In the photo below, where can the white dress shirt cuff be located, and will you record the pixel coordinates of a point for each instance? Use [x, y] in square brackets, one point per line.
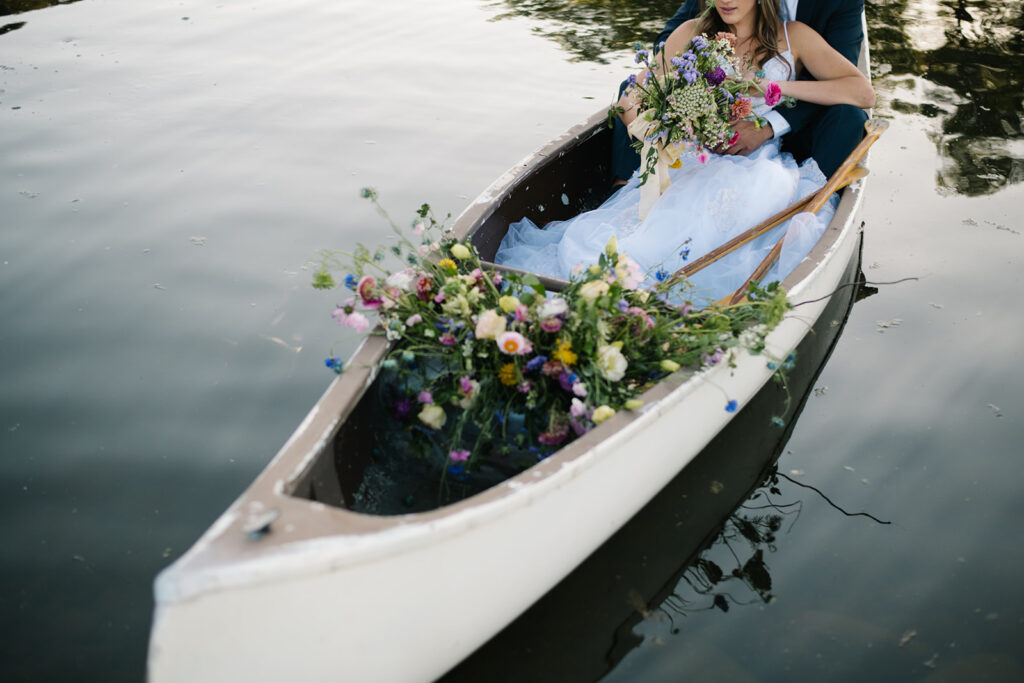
[779, 125]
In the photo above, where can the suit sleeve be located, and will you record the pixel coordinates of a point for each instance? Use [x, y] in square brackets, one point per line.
[685, 13]
[842, 30]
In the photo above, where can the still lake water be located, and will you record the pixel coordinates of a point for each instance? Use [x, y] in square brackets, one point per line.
[168, 168]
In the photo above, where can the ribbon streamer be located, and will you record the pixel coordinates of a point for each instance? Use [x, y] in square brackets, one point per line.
[668, 157]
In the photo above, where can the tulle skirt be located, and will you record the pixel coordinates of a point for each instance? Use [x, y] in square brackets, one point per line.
[705, 206]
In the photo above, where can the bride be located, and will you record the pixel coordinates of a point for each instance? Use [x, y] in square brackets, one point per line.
[708, 204]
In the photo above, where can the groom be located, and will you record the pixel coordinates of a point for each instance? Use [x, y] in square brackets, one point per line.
[827, 133]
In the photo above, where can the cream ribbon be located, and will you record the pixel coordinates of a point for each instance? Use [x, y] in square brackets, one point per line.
[668, 157]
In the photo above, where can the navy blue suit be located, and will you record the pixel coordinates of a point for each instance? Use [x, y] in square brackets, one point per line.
[828, 134]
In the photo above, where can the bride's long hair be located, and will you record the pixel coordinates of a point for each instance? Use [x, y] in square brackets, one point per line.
[766, 28]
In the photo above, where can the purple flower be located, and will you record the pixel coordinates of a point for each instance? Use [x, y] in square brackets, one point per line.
[425, 397]
[402, 408]
[551, 324]
[566, 380]
[715, 76]
[690, 75]
[459, 455]
[698, 42]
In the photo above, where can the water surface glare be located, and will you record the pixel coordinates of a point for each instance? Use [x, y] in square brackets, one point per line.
[168, 170]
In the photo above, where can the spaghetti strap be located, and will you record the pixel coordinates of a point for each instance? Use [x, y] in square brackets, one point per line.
[785, 30]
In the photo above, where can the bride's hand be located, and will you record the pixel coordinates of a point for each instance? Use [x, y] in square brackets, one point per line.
[749, 137]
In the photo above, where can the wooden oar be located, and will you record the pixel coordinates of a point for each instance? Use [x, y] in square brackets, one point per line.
[761, 228]
[874, 128]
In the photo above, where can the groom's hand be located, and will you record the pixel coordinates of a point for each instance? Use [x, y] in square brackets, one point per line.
[750, 137]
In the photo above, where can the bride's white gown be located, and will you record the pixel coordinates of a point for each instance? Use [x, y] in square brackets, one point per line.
[705, 206]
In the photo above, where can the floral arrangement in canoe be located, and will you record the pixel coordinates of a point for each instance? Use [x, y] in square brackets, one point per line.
[690, 101]
[490, 368]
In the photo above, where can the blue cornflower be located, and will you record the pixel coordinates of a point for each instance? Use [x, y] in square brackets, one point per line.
[684, 253]
[731, 406]
[661, 275]
[772, 365]
[335, 364]
[499, 416]
[534, 363]
[351, 281]
[778, 421]
[455, 469]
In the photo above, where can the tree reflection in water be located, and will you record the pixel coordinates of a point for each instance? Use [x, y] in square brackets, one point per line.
[955, 63]
[735, 560]
[959, 62]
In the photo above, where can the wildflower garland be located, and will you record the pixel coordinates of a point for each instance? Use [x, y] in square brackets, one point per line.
[490, 369]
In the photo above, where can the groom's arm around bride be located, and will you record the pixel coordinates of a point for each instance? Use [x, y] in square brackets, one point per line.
[826, 133]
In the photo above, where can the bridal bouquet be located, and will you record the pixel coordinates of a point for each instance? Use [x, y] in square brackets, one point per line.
[487, 369]
[689, 101]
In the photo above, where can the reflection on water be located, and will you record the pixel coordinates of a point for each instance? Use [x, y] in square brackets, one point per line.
[591, 29]
[18, 6]
[958, 63]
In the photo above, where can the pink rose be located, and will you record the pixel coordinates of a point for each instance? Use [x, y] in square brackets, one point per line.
[772, 94]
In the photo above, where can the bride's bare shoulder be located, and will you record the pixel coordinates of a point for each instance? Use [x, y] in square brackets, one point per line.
[679, 39]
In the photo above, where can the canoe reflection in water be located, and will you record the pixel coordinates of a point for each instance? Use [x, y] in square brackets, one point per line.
[703, 543]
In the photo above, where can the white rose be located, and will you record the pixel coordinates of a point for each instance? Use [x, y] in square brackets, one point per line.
[490, 324]
[611, 363]
[401, 280]
[553, 307]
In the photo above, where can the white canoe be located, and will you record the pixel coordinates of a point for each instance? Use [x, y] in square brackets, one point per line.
[330, 594]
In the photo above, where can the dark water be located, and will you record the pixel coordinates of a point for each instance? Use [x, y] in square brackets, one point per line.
[168, 168]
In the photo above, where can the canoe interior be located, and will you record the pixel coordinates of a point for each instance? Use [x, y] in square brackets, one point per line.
[564, 181]
[569, 175]
[364, 468]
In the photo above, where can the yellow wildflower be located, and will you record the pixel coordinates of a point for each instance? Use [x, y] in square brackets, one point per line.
[602, 413]
[507, 374]
[447, 265]
[508, 303]
[564, 353]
